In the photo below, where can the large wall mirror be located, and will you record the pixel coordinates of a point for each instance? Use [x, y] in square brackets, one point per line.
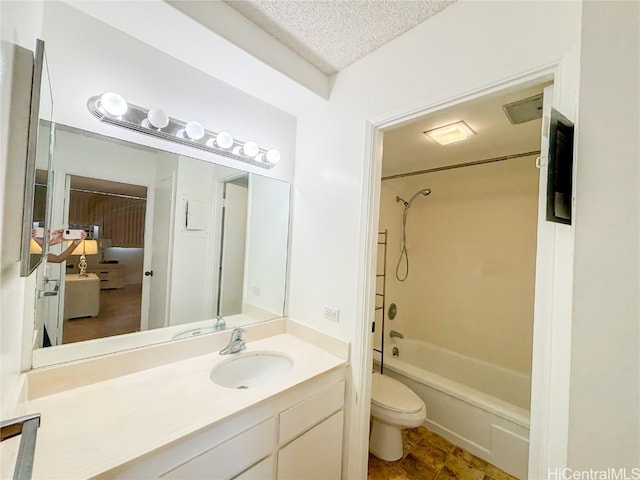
[174, 247]
[172, 236]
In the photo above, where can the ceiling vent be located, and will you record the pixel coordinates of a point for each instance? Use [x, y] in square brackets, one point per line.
[524, 110]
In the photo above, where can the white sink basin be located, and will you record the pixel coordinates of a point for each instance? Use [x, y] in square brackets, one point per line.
[248, 370]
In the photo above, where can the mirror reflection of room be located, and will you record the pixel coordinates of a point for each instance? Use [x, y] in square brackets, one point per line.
[171, 243]
[106, 299]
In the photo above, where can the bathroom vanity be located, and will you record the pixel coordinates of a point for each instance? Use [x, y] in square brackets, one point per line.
[291, 436]
[130, 416]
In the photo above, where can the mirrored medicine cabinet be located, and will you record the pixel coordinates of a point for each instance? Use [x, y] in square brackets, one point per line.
[40, 138]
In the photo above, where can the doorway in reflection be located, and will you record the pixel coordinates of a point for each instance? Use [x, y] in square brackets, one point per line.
[108, 300]
[232, 245]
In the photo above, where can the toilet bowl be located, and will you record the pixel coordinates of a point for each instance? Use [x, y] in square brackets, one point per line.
[394, 406]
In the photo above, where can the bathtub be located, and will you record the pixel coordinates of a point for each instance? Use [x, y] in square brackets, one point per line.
[479, 406]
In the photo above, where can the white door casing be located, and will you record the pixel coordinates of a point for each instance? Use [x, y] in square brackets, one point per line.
[162, 239]
[553, 290]
[233, 249]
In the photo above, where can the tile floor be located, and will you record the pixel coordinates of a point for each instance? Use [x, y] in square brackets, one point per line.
[428, 456]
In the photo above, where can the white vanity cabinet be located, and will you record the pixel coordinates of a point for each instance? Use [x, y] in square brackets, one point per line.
[310, 437]
[314, 455]
[293, 435]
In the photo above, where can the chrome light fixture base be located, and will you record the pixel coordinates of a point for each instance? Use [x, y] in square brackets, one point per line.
[136, 118]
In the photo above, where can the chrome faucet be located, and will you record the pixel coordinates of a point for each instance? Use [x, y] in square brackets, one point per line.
[393, 333]
[236, 344]
[220, 323]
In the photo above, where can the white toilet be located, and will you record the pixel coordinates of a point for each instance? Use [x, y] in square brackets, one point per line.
[393, 406]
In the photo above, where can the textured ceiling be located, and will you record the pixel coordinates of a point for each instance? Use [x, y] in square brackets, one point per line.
[333, 34]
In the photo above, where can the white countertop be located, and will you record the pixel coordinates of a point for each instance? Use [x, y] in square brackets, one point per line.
[88, 430]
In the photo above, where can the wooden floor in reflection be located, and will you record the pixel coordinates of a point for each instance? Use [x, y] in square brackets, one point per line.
[119, 313]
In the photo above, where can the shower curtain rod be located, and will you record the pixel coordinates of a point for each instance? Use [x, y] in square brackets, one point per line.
[467, 164]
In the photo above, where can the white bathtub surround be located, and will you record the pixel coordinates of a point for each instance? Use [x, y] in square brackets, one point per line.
[478, 406]
[99, 421]
[473, 238]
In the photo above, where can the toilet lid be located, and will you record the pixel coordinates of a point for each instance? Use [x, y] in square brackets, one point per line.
[389, 393]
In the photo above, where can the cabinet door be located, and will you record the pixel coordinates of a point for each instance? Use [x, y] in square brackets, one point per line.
[316, 454]
[260, 471]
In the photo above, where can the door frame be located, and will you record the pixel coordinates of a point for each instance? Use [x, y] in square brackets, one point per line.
[218, 212]
[148, 228]
[549, 419]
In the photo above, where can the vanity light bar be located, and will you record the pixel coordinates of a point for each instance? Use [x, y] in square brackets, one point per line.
[111, 108]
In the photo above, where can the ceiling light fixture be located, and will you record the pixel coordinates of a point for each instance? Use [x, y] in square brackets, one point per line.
[454, 132]
[112, 108]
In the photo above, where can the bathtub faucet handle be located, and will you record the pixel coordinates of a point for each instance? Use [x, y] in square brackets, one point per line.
[393, 333]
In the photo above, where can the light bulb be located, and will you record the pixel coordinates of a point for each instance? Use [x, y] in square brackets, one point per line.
[224, 140]
[194, 130]
[158, 117]
[250, 149]
[113, 104]
[273, 156]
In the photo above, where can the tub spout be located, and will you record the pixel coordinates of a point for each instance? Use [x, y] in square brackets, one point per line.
[393, 333]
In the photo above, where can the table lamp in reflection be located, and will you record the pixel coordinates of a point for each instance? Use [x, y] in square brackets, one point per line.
[86, 247]
[35, 248]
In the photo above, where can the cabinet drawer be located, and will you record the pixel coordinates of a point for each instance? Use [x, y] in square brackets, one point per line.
[231, 457]
[307, 413]
[111, 276]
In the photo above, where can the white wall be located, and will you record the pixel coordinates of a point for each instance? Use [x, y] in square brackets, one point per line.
[267, 247]
[88, 57]
[176, 34]
[329, 174]
[468, 46]
[472, 257]
[604, 429]
[20, 25]
[192, 291]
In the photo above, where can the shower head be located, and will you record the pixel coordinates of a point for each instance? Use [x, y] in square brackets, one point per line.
[424, 191]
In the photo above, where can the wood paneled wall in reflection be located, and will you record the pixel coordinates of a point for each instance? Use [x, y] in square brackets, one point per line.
[120, 219]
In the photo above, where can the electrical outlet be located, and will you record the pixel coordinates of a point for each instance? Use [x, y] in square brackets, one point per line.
[332, 314]
[256, 291]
